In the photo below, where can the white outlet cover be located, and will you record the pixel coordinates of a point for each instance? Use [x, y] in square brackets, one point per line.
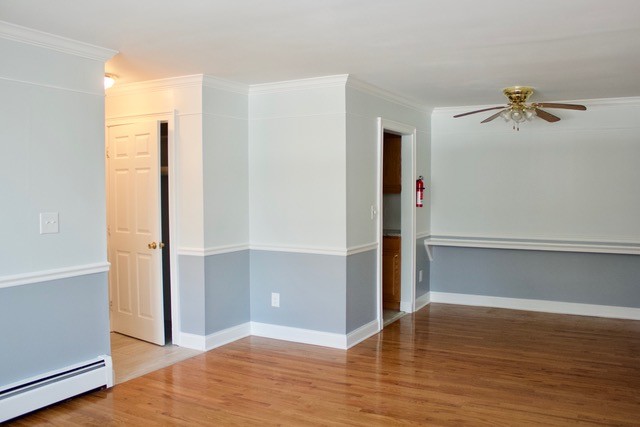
[275, 299]
[49, 223]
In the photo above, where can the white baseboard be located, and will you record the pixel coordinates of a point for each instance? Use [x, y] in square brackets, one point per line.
[538, 305]
[305, 336]
[423, 300]
[407, 307]
[216, 339]
[362, 333]
[286, 333]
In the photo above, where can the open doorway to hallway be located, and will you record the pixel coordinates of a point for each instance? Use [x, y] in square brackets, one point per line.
[396, 224]
[391, 227]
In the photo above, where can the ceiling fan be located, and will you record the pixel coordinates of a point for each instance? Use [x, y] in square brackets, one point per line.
[518, 111]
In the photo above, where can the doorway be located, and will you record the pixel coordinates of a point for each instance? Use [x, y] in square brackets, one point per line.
[396, 224]
[139, 217]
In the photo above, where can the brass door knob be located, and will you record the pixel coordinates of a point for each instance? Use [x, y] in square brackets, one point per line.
[161, 245]
[152, 245]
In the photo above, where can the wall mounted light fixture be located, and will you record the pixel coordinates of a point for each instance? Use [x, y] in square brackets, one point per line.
[109, 80]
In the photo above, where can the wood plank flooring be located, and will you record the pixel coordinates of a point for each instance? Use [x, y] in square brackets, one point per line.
[445, 365]
[133, 358]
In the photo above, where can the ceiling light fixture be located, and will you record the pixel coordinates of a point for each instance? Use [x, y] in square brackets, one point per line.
[519, 111]
[109, 80]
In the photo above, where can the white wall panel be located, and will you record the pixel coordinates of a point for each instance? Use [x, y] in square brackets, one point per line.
[226, 181]
[572, 180]
[297, 181]
[52, 157]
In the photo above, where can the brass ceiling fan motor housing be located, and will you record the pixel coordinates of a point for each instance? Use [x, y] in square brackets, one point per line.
[518, 94]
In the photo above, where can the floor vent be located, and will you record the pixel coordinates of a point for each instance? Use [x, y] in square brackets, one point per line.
[37, 392]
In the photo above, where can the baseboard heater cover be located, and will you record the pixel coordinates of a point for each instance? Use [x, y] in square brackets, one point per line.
[37, 392]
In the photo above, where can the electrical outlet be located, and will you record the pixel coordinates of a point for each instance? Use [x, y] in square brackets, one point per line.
[420, 276]
[275, 299]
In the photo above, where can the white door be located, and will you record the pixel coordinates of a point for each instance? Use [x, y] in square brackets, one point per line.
[135, 249]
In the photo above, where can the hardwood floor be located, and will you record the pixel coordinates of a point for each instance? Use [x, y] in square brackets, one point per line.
[445, 365]
[133, 358]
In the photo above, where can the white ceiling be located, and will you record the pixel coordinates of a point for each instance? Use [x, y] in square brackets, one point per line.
[440, 53]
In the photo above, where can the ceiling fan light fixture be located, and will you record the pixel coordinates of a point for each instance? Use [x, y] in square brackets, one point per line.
[518, 111]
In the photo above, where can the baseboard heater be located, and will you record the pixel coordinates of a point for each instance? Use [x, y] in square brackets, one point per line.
[37, 392]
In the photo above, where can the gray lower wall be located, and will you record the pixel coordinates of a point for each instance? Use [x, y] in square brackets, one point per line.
[191, 276]
[312, 290]
[226, 290]
[422, 263]
[361, 289]
[604, 279]
[214, 292]
[51, 325]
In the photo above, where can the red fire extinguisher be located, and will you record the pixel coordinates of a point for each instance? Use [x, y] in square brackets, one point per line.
[419, 191]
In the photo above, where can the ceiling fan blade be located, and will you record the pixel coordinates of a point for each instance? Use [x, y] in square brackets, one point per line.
[495, 116]
[477, 111]
[565, 106]
[546, 116]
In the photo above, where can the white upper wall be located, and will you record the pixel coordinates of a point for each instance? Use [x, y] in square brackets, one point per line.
[226, 164]
[576, 179]
[297, 165]
[51, 128]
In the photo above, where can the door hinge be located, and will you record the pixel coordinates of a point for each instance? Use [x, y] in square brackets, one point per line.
[110, 305]
[107, 153]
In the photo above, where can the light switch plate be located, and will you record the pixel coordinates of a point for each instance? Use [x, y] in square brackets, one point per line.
[49, 223]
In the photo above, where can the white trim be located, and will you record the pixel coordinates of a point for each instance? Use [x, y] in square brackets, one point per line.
[137, 118]
[216, 339]
[225, 85]
[192, 341]
[48, 86]
[227, 336]
[299, 84]
[537, 305]
[362, 248]
[423, 300]
[423, 235]
[407, 303]
[304, 336]
[214, 250]
[317, 251]
[378, 92]
[285, 333]
[631, 248]
[55, 274]
[50, 41]
[148, 86]
[362, 333]
[406, 306]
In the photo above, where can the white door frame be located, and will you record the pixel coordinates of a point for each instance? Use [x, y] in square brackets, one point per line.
[170, 118]
[408, 209]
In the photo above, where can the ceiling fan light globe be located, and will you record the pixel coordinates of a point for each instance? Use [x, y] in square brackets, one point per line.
[529, 113]
[518, 116]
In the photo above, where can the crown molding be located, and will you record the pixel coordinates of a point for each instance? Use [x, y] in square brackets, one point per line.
[53, 42]
[225, 85]
[300, 84]
[157, 85]
[362, 86]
